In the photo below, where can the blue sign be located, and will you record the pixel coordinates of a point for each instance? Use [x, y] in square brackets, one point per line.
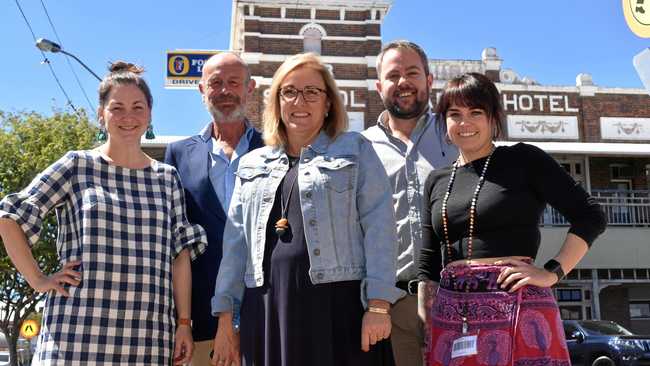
[184, 68]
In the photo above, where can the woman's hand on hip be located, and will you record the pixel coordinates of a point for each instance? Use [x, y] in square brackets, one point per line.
[519, 273]
[55, 281]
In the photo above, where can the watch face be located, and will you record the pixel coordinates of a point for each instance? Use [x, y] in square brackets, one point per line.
[551, 265]
[554, 266]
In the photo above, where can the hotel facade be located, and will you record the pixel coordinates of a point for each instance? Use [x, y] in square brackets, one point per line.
[601, 136]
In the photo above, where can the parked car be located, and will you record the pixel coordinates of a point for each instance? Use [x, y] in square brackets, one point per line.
[23, 350]
[605, 343]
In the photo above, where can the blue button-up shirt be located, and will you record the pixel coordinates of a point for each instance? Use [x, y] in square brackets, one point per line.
[408, 165]
[222, 171]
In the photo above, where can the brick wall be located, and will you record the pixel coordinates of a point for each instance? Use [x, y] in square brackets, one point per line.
[351, 48]
[268, 12]
[599, 170]
[280, 28]
[350, 71]
[255, 107]
[374, 108]
[611, 105]
[357, 15]
[328, 14]
[297, 13]
[251, 25]
[346, 30]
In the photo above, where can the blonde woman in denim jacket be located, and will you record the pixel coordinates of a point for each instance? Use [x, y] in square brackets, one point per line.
[309, 247]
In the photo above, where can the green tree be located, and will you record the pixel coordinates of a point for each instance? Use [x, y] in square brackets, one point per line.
[29, 143]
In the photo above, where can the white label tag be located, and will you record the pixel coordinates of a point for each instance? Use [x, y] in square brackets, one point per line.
[464, 346]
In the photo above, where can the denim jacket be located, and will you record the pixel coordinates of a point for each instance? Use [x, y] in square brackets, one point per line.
[347, 211]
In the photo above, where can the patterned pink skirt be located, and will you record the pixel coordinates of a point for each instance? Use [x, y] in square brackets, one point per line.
[488, 326]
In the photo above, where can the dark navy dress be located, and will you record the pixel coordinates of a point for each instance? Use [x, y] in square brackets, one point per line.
[291, 322]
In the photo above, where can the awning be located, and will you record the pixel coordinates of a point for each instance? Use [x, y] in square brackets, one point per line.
[588, 148]
[577, 148]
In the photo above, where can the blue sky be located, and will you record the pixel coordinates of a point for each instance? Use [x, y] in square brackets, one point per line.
[551, 41]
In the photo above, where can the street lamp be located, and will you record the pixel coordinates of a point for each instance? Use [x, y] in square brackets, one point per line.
[46, 45]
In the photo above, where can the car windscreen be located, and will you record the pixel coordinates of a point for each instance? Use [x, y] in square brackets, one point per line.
[604, 328]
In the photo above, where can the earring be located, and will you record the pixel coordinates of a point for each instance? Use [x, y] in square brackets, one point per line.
[150, 135]
[327, 114]
[102, 135]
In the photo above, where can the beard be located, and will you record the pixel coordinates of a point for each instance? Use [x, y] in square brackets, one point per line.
[219, 116]
[415, 110]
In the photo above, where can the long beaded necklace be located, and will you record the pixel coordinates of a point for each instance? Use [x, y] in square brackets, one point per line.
[282, 224]
[472, 217]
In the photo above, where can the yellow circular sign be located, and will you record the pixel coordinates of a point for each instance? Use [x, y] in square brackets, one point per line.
[637, 16]
[178, 65]
[29, 329]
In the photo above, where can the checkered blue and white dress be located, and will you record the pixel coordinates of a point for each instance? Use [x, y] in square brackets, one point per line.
[126, 226]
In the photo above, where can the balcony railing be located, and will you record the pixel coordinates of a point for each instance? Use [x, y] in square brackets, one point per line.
[622, 208]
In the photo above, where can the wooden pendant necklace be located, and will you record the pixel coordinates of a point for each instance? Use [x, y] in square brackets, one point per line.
[472, 218]
[282, 224]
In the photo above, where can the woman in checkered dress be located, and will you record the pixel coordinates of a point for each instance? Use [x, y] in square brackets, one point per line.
[124, 243]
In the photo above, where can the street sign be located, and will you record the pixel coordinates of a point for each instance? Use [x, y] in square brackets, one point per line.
[29, 329]
[637, 16]
[184, 68]
[642, 65]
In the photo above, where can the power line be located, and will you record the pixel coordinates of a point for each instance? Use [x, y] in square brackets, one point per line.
[56, 34]
[46, 61]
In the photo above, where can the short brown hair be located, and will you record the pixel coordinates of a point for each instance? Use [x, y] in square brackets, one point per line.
[403, 45]
[473, 90]
[337, 119]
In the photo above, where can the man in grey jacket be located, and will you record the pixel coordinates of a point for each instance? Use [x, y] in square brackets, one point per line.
[410, 145]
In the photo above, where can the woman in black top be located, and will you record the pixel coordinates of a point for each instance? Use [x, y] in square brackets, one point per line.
[481, 224]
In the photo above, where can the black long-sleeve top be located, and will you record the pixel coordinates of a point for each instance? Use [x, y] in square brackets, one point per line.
[519, 182]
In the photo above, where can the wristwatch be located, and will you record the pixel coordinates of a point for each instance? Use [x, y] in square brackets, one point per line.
[554, 266]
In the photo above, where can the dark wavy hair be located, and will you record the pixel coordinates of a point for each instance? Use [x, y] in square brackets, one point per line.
[473, 90]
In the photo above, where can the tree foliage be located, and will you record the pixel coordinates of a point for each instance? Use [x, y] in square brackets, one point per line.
[29, 143]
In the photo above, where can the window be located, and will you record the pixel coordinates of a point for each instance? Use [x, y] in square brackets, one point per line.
[620, 171]
[571, 312]
[312, 41]
[569, 295]
[639, 309]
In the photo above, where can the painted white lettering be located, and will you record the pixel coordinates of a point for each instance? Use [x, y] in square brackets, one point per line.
[512, 102]
[525, 102]
[554, 101]
[566, 105]
[540, 100]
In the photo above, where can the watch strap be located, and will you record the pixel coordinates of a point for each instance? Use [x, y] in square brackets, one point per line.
[554, 266]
